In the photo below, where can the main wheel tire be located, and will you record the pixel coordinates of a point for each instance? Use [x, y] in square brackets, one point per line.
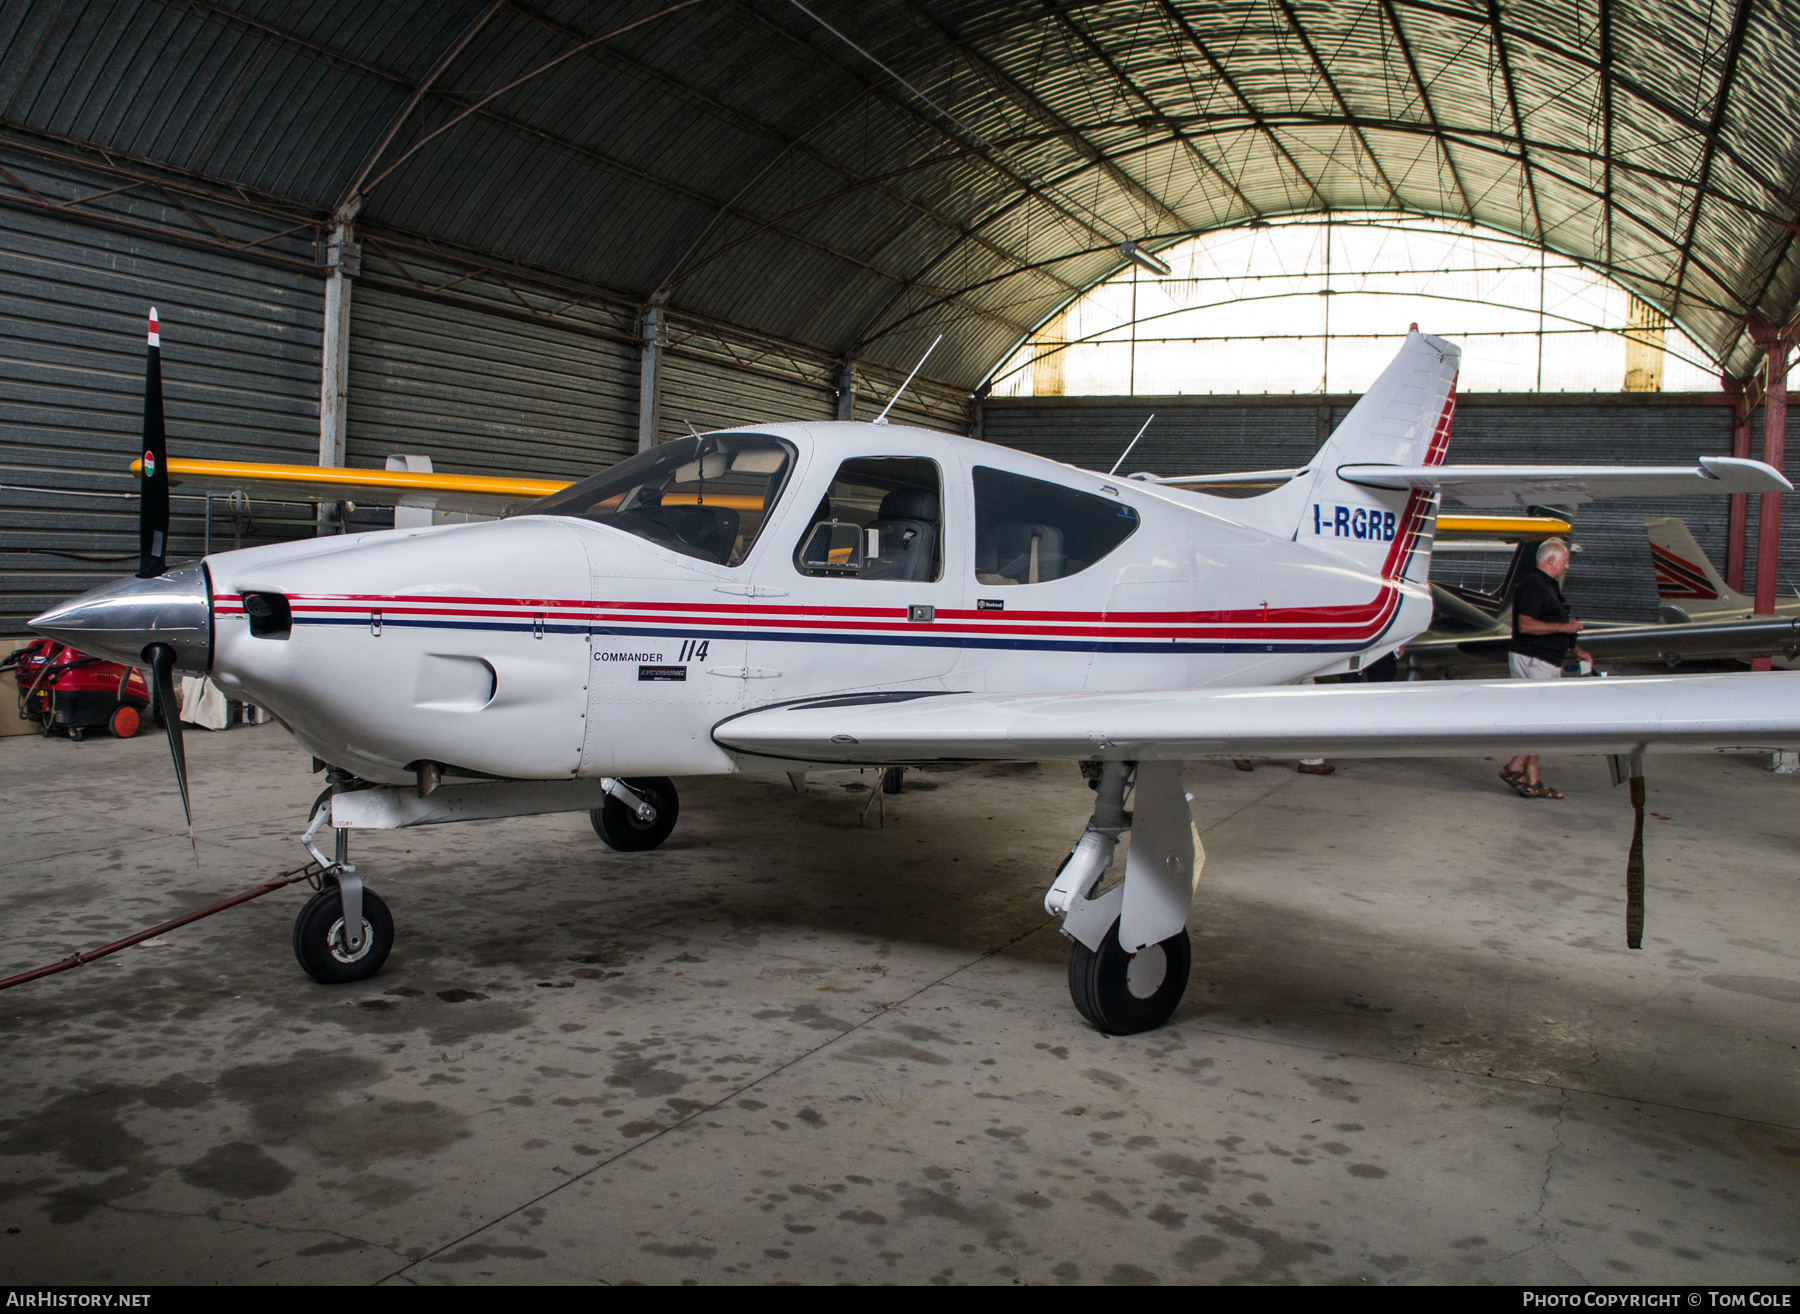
[893, 780]
[319, 938]
[1123, 994]
[618, 825]
[125, 722]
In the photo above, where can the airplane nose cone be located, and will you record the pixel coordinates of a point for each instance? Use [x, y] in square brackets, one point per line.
[119, 620]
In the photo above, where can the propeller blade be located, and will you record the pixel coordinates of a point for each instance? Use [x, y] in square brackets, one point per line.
[162, 685]
[1634, 871]
[153, 492]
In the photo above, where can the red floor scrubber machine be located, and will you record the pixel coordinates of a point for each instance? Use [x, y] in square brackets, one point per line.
[65, 690]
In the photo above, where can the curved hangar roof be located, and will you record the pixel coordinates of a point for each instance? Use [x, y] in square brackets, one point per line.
[860, 176]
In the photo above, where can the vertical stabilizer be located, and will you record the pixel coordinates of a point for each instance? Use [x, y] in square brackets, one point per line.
[1685, 578]
[1403, 419]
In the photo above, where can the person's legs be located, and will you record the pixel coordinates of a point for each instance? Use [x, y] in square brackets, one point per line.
[1523, 769]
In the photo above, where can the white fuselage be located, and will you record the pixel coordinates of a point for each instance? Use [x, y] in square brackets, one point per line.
[545, 647]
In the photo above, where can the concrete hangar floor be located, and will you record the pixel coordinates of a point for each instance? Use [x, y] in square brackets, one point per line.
[782, 1047]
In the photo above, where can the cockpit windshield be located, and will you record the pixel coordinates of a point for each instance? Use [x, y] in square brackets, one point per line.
[705, 497]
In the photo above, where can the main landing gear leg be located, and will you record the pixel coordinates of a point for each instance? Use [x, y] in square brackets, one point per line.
[344, 933]
[1129, 962]
[637, 814]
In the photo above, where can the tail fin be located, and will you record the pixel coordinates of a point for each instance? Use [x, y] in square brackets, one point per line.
[1403, 419]
[1685, 577]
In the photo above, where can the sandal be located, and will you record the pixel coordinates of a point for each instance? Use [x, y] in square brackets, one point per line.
[1539, 790]
[1513, 778]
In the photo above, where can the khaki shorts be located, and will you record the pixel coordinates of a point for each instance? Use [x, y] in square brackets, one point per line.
[1531, 668]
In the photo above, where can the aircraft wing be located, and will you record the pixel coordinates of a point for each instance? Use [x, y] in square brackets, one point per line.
[314, 483]
[1760, 636]
[1449, 718]
[1526, 485]
[1506, 530]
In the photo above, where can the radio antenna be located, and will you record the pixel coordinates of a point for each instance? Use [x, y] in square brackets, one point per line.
[882, 418]
[1130, 445]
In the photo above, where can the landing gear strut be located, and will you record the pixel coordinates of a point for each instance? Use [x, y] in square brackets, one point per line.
[344, 933]
[1129, 964]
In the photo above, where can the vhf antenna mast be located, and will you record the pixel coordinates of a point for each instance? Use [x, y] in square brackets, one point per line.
[882, 418]
[1130, 445]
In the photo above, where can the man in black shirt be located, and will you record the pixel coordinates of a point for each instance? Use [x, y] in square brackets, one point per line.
[1543, 635]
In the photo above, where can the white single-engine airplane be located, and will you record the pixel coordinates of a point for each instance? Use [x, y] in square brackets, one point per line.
[790, 596]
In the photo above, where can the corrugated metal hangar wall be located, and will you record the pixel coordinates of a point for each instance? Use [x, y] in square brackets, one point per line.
[1611, 578]
[440, 365]
[242, 383]
[454, 369]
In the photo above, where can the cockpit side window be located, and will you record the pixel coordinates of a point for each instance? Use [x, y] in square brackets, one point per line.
[1031, 531]
[882, 518]
[705, 497]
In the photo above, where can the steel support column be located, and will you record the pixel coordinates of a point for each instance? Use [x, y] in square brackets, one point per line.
[846, 399]
[1738, 514]
[344, 260]
[650, 379]
[1774, 445]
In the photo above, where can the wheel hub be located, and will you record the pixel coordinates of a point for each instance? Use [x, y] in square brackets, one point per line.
[1144, 977]
[340, 951]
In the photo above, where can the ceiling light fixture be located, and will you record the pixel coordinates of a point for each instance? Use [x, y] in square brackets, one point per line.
[1144, 260]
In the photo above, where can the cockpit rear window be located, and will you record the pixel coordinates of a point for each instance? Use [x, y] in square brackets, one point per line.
[1029, 531]
[705, 497]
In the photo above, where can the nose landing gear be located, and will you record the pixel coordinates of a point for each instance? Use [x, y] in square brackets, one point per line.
[323, 947]
[1129, 964]
[344, 933]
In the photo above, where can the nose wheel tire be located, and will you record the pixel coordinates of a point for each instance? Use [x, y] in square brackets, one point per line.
[319, 941]
[1123, 994]
[618, 825]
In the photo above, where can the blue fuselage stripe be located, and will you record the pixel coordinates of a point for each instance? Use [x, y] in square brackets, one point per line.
[1019, 643]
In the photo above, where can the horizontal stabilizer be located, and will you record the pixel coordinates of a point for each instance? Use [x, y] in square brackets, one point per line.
[1560, 485]
[1237, 479]
[1451, 718]
[314, 483]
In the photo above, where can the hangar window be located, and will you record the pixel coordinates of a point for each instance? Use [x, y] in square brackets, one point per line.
[1303, 305]
[705, 497]
[882, 518]
[1029, 531]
